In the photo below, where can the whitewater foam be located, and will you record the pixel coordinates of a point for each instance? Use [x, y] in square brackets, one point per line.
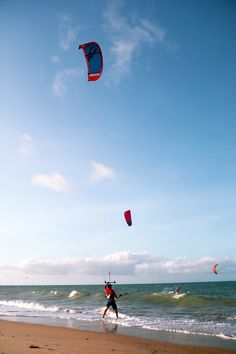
[28, 305]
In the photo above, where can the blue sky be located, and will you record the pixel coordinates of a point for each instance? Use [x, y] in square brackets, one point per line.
[155, 134]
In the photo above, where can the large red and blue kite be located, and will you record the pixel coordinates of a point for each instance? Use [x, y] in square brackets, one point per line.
[93, 55]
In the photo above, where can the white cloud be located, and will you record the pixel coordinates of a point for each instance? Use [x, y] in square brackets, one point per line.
[101, 172]
[54, 181]
[61, 79]
[129, 37]
[26, 145]
[126, 265]
[67, 31]
[178, 265]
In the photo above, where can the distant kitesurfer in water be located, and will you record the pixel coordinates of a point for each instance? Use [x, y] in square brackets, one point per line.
[111, 295]
[177, 289]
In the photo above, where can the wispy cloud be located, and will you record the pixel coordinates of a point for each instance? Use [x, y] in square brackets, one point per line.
[54, 181]
[26, 145]
[67, 38]
[101, 172]
[67, 31]
[55, 59]
[125, 265]
[127, 36]
[62, 79]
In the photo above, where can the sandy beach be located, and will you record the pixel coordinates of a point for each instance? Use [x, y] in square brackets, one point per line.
[21, 338]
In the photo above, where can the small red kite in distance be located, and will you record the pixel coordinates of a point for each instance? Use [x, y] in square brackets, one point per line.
[214, 268]
[127, 215]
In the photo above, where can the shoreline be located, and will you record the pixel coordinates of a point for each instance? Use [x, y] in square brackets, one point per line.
[16, 336]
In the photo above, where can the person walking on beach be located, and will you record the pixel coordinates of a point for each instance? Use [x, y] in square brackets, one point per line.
[111, 295]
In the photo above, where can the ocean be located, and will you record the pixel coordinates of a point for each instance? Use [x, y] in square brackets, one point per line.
[201, 309]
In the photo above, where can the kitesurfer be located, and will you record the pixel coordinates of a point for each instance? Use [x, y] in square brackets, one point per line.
[177, 290]
[111, 295]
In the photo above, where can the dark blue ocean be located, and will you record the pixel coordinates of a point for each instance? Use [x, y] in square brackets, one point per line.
[207, 308]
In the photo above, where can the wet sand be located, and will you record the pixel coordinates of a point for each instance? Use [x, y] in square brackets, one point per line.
[24, 338]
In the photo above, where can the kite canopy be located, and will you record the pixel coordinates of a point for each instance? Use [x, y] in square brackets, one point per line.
[214, 268]
[127, 215]
[93, 55]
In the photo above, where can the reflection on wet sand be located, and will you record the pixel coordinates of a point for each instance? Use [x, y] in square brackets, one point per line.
[109, 327]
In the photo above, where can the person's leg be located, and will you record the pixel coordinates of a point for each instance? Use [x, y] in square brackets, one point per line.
[104, 313]
[114, 306]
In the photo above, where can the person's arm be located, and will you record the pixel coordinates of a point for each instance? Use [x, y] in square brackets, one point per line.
[115, 294]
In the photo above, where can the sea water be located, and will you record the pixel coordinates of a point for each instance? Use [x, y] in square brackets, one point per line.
[207, 308]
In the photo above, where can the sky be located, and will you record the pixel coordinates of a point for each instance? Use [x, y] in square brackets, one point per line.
[155, 134]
